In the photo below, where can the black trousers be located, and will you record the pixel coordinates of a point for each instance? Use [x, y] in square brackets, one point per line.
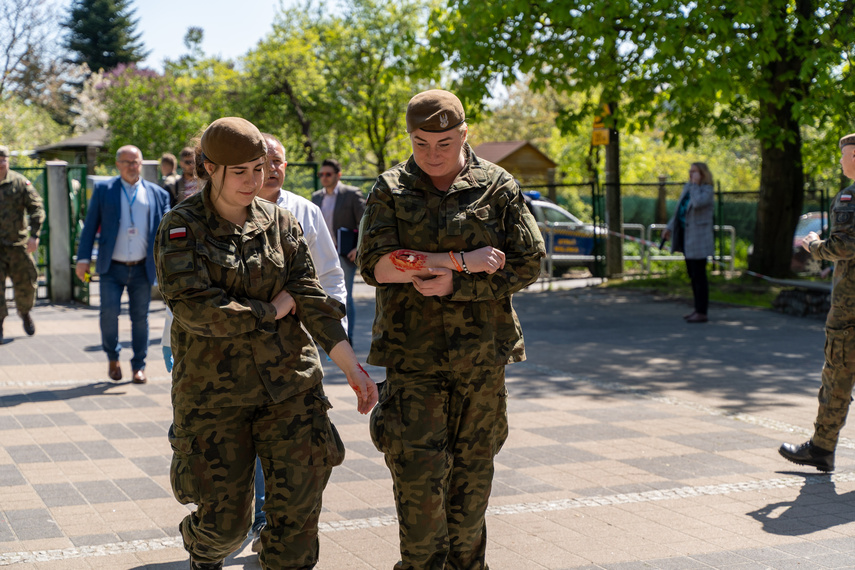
[697, 270]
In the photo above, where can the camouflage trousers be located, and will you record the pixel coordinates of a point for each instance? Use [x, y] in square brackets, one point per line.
[213, 466]
[439, 433]
[20, 267]
[835, 394]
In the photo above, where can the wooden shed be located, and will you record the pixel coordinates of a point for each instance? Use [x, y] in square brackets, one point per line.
[82, 149]
[520, 158]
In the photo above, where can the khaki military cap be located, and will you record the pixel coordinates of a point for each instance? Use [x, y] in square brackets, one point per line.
[434, 111]
[848, 139]
[232, 140]
[4, 150]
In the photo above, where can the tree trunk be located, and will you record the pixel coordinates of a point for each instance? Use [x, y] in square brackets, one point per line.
[614, 209]
[284, 88]
[781, 198]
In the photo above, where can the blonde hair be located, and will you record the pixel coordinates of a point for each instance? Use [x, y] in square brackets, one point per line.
[706, 175]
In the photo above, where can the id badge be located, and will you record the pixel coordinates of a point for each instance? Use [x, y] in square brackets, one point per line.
[132, 231]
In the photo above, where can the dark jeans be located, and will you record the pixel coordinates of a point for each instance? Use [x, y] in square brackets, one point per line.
[112, 285]
[697, 270]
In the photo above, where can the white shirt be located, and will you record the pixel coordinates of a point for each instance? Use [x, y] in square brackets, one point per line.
[328, 209]
[324, 255]
[132, 239]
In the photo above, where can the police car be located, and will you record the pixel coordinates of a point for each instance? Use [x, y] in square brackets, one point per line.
[569, 240]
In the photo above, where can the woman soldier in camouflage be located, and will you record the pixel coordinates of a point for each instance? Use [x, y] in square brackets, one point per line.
[237, 275]
[446, 239]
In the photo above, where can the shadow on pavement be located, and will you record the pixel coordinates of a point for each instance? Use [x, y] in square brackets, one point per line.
[817, 507]
[96, 389]
[748, 359]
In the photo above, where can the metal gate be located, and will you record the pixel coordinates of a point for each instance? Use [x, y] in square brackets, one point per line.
[78, 200]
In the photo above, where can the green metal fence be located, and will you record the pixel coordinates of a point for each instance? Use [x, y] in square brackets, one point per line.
[78, 200]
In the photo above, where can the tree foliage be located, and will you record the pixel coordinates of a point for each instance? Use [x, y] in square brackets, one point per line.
[339, 82]
[768, 68]
[149, 110]
[102, 34]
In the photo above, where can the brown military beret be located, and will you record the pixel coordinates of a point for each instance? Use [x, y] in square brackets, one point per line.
[4, 150]
[434, 111]
[232, 140]
[848, 139]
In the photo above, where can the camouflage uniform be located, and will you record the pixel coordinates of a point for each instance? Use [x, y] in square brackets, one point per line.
[19, 199]
[838, 372]
[442, 412]
[245, 383]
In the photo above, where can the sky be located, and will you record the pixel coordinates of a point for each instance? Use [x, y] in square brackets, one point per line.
[232, 27]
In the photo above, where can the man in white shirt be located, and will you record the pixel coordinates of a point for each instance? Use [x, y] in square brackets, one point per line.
[323, 254]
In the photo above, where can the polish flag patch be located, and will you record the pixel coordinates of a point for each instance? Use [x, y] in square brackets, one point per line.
[176, 233]
[846, 198]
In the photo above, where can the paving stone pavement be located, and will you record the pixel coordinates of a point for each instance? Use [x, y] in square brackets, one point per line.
[637, 441]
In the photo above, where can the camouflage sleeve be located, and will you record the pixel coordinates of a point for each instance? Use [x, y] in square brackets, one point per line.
[35, 210]
[523, 248]
[840, 245]
[198, 304]
[378, 231]
[320, 313]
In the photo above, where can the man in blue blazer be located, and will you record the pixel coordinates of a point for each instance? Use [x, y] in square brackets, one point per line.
[127, 209]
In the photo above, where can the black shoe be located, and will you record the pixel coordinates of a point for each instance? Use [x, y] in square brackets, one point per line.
[808, 454]
[29, 325]
[205, 565]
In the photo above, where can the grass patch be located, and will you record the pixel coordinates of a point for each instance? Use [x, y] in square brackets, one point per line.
[746, 290]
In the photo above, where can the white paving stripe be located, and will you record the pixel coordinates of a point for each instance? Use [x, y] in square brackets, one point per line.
[515, 509]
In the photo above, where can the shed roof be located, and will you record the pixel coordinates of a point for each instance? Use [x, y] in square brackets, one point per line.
[498, 151]
[95, 137]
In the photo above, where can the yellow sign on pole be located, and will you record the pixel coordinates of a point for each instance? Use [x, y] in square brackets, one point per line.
[600, 134]
[600, 137]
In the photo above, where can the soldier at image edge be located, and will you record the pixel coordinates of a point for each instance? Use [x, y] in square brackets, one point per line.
[446, 239]
[838, 371]
[19, 202]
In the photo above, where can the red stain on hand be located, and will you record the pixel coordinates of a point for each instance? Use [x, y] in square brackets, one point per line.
[363, 370]
[406, 260]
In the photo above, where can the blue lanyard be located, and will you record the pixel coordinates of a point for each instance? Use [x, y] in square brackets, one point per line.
[131, 201]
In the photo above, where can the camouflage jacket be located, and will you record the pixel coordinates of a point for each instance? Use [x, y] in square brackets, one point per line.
[476, 324]
[218, 279]
[840, 248]
[19, 199]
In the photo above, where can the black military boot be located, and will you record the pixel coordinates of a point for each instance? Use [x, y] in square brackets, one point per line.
[1, 332]
[29, 325]
[808, 454]
[205, 565]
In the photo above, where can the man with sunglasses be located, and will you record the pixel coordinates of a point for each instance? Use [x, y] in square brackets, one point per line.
[342, 207]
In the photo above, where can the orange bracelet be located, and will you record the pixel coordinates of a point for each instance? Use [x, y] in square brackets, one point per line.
[454, 261]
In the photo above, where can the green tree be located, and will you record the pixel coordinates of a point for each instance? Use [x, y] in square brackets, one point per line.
[150, 110]
[769, 68]
[102, 34]
[339, 82]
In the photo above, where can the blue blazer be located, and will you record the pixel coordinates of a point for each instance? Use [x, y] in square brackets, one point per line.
[104, 211]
